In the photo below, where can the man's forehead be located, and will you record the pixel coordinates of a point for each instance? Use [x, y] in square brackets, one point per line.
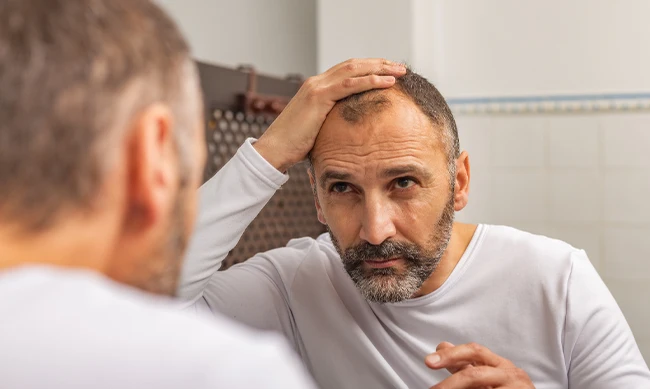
[398, 126]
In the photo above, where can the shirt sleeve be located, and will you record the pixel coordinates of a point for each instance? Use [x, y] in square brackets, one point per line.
[229, 202]
[253, 292]
[600, 350]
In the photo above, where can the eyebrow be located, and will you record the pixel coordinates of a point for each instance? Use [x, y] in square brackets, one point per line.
[396, 171]
[404, 170]
[333, 175]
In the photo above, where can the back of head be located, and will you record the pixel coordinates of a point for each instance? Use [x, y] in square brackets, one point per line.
[72, 73]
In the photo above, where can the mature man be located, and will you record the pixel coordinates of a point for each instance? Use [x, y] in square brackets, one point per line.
[396, 280]
[101, 149]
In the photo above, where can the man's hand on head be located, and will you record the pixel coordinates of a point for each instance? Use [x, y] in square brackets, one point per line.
[473, 366]
[292, 135]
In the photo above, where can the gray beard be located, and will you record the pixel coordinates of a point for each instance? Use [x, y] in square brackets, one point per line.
[389, 285]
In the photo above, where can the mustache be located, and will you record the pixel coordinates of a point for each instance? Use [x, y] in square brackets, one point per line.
[386, 250]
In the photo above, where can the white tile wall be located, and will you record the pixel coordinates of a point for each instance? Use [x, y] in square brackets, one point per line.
[519, 195]
[572, 142]
[475, 138]
[518, 141]
[627, 253]
[576, 195]
[627, 195]
[583, 178]
[626, 139]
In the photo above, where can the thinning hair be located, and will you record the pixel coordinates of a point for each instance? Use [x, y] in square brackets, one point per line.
[426, 97]
[73, 74]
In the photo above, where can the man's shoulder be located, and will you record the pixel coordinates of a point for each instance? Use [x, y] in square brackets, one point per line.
[87, 321]
[515, 236]
[534, 251]
[89, 300]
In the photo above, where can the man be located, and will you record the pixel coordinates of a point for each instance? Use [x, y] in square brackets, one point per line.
[101, 149]
[397, 295]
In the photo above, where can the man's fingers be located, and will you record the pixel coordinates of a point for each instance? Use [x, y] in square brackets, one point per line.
[453, 365]
[350, 77]
[358, 67]
[350, 86]
[460, 367]
[456, 357]
[478, 377]
[444, 345]
[475, 367]
[453, 369]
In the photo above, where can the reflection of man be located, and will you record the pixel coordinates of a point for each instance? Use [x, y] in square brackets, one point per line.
[397, 280]
[101, 147]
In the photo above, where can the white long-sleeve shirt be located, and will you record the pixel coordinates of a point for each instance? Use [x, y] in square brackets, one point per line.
[73, 329]
[536, 301]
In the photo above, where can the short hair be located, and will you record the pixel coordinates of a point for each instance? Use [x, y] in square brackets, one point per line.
[72, 74]
[426, 97]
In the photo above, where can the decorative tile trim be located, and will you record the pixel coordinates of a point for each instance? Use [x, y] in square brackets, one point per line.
[548, 104]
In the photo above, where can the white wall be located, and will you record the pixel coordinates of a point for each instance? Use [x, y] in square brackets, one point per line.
[277, 37]
[514, 47]
[363, 29]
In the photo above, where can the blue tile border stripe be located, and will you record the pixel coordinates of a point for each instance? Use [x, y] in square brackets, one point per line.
[552, 103]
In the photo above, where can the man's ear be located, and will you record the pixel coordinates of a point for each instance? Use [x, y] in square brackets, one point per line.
[153, 166]
[461, 190]
[312, 182]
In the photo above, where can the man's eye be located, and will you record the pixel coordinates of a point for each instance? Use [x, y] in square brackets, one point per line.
[340, 187]
[404, 183]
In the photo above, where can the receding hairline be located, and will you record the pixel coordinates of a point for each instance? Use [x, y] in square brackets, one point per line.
[380, 100]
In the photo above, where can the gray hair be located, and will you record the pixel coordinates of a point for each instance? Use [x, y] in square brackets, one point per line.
[72, 75]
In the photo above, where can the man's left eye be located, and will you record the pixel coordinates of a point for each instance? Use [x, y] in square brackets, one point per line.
[404, 182]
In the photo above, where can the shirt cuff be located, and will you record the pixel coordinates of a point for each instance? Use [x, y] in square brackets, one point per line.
[260, 166]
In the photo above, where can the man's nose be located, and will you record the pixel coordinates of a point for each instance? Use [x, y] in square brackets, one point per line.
[377, 224]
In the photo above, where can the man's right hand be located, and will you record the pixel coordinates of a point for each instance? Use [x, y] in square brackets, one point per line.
[292, 135]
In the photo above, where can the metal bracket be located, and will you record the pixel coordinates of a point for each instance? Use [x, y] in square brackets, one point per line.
[252, 102]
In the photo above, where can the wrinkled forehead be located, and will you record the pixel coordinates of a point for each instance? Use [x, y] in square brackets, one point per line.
[381, 128]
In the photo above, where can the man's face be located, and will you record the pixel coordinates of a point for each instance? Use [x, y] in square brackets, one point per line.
[383, 189]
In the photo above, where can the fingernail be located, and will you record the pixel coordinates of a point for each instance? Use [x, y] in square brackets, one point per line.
[389, 78]
[433, 359]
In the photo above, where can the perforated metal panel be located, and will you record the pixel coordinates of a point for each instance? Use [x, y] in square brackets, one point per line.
[290, 213]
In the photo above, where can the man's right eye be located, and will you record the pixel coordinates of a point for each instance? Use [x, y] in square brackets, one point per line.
[340, 187]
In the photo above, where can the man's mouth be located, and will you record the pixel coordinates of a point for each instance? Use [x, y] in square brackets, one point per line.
[383, 263]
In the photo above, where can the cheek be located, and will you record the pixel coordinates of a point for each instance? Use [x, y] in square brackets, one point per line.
[343, 219]
[415, 218]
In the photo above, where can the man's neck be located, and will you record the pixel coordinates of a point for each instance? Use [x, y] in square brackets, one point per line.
[461, 236]
[66, 245]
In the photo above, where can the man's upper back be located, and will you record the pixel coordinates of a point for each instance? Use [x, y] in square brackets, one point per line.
[74, 329]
